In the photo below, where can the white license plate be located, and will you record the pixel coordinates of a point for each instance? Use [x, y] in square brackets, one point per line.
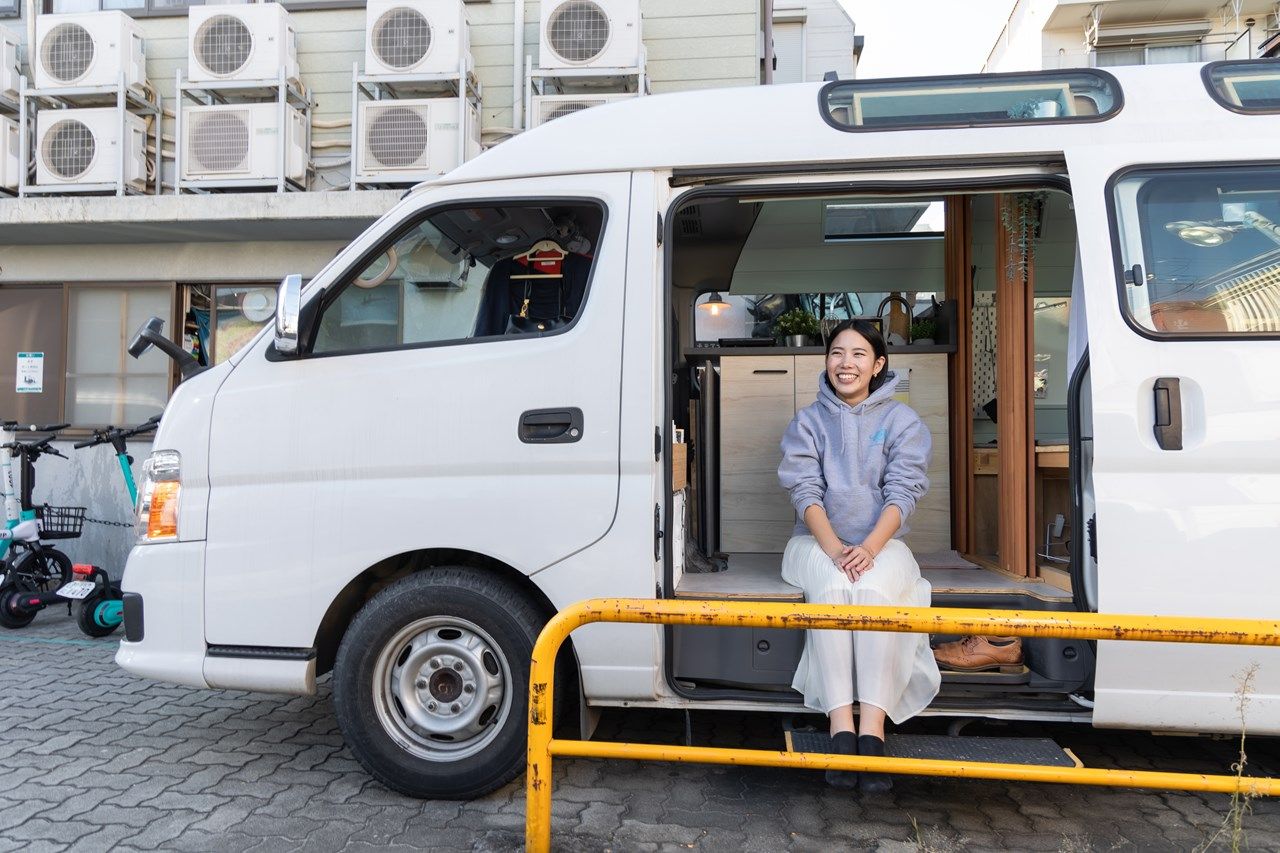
[77, 589]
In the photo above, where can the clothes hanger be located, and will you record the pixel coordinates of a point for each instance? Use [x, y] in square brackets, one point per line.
[544, 246]
[543, 259]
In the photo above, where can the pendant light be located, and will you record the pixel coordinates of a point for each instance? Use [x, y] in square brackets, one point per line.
[714, 305]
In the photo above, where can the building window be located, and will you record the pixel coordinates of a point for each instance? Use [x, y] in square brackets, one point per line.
[9, 8]
[1141, 54]
[788, 52]
[104, 384]
[31, 324]
[166, 7]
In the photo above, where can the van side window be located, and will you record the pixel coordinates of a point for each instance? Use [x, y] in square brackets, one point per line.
[464, 274]
[1198, 250]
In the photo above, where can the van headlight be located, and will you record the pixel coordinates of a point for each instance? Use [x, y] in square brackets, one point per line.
[158, 495]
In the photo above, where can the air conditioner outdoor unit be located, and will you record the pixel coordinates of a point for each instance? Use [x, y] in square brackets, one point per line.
[8, 64]
[551, 107]
[589, 34]
[416, 37]
[10, 153]
[234, 42]
[87, 49]
[241, 142]
[84, 147]
[412, 139]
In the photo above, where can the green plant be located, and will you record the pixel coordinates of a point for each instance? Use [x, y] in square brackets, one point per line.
[924, 328]
[797, 321]
[1241, 805]
[1020, 216]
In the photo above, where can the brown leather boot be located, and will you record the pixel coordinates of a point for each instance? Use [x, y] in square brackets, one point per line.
[981, 654]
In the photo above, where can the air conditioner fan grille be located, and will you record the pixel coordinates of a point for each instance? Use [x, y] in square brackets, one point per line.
[578, 31]
[397, 137]
[67, 52]
[220, 140]
[68, 148]
[551, 112]
[402, 37]
[223, 45]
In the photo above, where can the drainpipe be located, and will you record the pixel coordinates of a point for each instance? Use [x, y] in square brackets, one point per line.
[31, 38]
[517, 66]
[768, 42]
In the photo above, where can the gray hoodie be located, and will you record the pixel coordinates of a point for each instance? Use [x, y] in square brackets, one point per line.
[855, 460]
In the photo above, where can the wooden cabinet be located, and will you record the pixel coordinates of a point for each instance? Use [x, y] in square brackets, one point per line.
[759, 395]
[757, 401]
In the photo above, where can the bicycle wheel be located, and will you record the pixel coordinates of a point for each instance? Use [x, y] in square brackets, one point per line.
[45, 568]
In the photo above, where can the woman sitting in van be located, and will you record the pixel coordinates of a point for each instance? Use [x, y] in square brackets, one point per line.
[854, 462]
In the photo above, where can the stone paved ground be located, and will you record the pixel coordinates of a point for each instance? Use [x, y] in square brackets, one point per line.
[94, 759]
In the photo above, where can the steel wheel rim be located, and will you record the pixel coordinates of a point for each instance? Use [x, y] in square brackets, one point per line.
[441, 688]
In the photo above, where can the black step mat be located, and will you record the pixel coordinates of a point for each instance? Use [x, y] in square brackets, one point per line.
[995, 750]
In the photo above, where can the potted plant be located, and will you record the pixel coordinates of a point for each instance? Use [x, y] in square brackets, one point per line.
[797, 328]
[923, 331]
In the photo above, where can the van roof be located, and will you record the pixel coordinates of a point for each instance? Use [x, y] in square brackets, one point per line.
[783, 125]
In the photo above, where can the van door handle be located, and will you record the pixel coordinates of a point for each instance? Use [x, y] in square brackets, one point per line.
[551, 426]
[1168, 413]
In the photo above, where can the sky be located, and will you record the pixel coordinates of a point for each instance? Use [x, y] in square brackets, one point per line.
[926, 37]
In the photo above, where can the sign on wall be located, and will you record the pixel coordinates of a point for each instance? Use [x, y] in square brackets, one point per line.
[30, 373]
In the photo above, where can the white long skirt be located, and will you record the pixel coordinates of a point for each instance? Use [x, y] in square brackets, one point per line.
[895, 672]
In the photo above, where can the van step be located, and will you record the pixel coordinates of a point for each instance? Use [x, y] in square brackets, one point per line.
[1005, 675]
[996, 750]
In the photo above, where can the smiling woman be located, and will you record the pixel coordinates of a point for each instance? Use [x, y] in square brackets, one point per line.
[854, 463]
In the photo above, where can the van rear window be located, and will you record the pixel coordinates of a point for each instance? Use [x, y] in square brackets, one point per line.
[1247, 86]
[971, 101]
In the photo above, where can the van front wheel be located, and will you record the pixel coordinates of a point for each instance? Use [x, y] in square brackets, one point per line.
[430, 683]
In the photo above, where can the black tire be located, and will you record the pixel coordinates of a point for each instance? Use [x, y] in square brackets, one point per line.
[84, 614]
[46, 569]
[8, 618]
[400, 680]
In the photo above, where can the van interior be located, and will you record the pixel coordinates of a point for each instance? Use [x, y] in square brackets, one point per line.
[973, 293]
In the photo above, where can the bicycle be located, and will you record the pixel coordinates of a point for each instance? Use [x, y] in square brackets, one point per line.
[102, 607]
[33, 574]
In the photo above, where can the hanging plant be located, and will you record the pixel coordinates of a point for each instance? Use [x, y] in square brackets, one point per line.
[1020, 216]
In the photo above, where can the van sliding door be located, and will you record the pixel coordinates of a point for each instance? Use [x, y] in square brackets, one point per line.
[1184, 326]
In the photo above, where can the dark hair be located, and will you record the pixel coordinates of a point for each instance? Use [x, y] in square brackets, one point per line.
[871, 332]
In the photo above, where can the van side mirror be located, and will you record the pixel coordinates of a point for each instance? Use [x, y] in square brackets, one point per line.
[150, 334]
[288, 310]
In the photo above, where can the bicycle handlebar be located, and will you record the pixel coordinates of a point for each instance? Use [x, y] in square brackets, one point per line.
[110, 434]
[14, 426]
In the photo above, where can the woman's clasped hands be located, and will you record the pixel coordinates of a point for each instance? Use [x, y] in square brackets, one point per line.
[853, 561]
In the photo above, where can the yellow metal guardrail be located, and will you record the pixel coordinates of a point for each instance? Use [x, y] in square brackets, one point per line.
[920, 620]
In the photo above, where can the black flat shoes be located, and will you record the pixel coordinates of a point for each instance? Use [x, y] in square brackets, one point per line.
[843, 743]
[873, 783]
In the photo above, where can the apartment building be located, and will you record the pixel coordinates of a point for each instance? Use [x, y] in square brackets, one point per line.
[80, 272]
[1043, 34]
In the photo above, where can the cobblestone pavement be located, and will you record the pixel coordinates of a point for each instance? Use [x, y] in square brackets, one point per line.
[94, 759]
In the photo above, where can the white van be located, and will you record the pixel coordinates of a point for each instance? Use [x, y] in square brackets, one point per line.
[557, 373]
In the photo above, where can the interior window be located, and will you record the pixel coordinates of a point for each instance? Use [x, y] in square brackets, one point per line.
[1200, 250]
[467, 273]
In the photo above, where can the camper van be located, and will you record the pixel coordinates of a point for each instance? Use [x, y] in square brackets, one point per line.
[560, 372]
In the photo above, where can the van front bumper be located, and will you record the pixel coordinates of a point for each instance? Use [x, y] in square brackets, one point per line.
[164, 632]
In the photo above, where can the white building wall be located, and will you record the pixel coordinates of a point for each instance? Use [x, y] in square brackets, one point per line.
[828, 36]
[1031, 40]
[711, 43]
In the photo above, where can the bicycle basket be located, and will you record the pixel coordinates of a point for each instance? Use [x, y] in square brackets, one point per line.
[60, 522]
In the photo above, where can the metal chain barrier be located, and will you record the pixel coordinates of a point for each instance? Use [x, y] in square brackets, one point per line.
[105, 523]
